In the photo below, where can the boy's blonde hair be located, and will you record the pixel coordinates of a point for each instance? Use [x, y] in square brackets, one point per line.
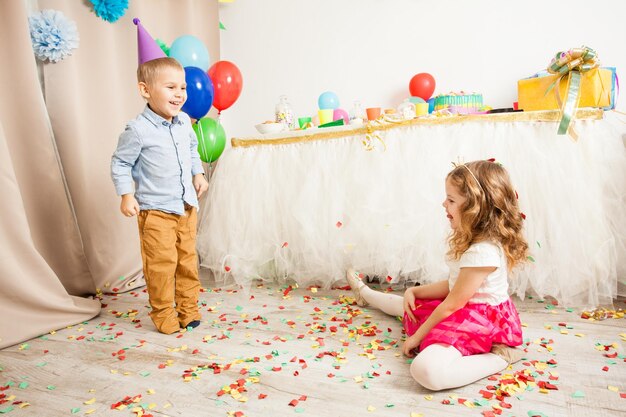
[490, 211]
[148, 71]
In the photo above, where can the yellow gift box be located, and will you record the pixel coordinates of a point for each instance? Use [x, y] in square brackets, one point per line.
[596, 90]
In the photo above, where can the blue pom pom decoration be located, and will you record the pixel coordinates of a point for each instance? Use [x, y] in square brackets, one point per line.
[53, 35]
[109, 10]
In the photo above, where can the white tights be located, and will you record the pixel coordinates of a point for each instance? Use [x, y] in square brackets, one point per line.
[438, 366]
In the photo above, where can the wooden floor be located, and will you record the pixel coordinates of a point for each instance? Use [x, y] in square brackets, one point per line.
[278, 351]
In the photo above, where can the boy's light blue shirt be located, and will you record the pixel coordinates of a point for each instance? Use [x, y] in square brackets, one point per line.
[160, 158]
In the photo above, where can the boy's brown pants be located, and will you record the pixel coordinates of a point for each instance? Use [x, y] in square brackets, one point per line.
[170, 266]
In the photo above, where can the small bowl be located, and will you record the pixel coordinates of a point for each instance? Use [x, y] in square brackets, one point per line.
[264, 128]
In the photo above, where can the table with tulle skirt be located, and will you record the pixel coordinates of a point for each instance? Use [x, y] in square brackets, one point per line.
[302, 207]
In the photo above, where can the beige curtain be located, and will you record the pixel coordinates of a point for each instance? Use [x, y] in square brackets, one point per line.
[62, 236]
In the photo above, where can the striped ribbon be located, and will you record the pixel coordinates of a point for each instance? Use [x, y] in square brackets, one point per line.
[571, 64]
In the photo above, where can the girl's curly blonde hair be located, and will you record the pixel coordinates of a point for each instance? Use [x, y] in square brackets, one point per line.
[490, 211]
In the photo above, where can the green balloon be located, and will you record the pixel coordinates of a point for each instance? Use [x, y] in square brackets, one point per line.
[211, 139]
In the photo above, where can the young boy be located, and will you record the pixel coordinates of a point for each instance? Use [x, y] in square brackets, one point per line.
[158, 151]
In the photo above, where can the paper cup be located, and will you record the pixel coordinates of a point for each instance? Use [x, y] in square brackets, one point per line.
[421, 109]
[325, 115]
[373, 113]
[304, 122]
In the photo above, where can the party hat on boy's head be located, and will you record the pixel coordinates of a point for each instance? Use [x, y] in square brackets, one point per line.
[147, 48]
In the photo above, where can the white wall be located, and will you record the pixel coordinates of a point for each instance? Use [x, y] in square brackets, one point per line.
[368, 50]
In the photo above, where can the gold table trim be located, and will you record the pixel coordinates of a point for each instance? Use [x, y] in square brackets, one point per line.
[534, 116]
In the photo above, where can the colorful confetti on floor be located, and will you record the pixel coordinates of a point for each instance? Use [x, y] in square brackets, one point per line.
[279, 350]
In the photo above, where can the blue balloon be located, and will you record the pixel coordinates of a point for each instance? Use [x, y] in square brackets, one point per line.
[199, 93]
[328, 100]
[190, 52]
[431, 104]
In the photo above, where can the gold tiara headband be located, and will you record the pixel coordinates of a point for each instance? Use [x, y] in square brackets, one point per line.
[461, 164]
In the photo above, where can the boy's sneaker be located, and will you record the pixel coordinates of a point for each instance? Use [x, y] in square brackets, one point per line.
[193, 324]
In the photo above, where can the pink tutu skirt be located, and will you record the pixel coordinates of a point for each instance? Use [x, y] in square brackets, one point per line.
[472, 329]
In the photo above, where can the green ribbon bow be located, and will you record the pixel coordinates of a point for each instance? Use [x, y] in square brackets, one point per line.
[571, 64]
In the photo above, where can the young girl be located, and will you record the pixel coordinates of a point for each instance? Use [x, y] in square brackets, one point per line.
[465, 327]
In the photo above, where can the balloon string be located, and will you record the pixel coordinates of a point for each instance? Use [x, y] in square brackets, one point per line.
[202, 139]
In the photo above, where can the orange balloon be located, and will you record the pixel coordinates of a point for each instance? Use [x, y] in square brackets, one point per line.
[422, 85]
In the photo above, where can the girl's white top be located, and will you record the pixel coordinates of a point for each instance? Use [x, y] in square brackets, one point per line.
[494, 290]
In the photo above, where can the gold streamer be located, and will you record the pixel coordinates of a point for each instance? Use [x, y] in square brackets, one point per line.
[534, 116]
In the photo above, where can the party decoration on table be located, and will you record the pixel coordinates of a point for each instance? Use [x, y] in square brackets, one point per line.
[52, 35]
[431, 104]
[284, 113]
[190, 52]
[357, 113]
[328, 100]
[200, 93]
[109, 10]
[334, 123]
[228, 84]
[270, 126]
[422, 85]
[571, 64]
[415, 100]
[147, 48]
[373, 113]
[371, 136]
[211, 139]
[459, 103]
[406, 109]
[577, 80]
[305, 122]
[163, 46]
[341, 114]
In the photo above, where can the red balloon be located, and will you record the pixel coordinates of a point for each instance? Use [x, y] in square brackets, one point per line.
[422, 85]
[227, 83]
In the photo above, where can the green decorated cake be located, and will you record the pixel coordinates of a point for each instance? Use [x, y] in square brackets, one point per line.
[459, 103]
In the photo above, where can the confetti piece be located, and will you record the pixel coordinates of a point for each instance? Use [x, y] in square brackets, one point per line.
[339, 224]
[75, 410]
[613, 388]
[371, 408]
[89, 402]
[578, 394]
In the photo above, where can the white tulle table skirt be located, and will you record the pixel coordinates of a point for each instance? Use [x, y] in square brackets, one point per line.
[306, 211]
